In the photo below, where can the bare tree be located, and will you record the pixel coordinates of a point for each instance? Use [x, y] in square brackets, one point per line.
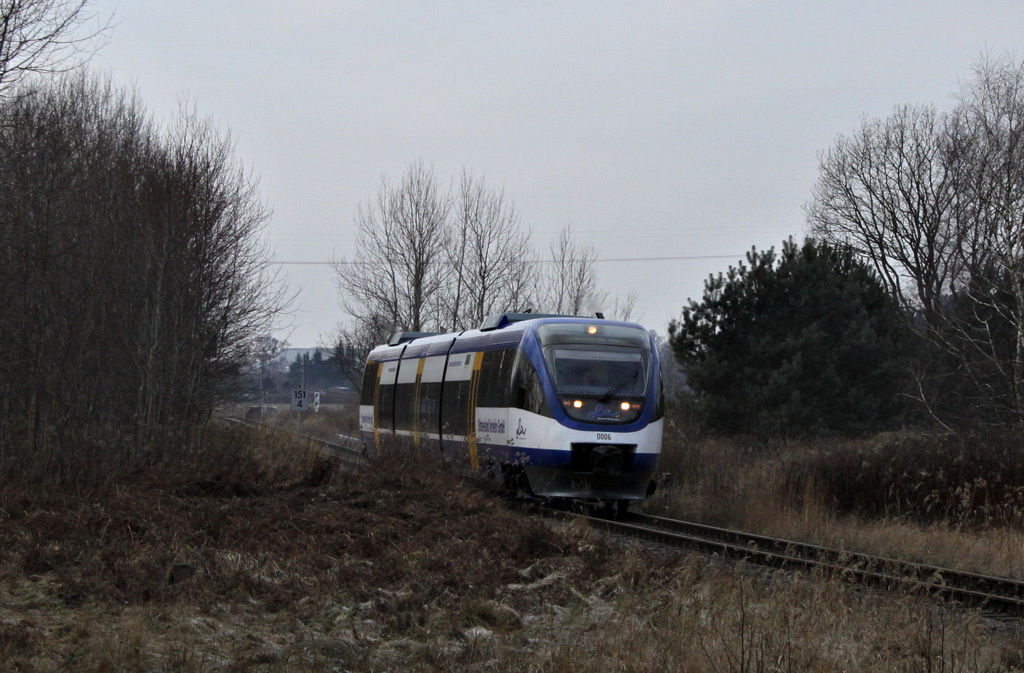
[44, 36]
[267, 349]
[354, 342]
[889, 193]
[428, 261]
[133, 280]
[990, 141]
[490, 257]
[215, 249]
[935, 203]
[400, 264]
[673, 378]
[569, 282]
[625, 308]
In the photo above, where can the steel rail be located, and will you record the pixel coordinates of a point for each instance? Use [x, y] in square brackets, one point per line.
[985, 591]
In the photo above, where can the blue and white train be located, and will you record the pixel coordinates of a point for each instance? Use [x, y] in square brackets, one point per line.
[555, 406]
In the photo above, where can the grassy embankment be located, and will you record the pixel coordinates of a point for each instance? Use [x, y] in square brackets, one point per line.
[255, 553]
[951, 501]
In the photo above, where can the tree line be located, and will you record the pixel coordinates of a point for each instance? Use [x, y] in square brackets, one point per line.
[133, 280]
[925, 208]
[435, 258]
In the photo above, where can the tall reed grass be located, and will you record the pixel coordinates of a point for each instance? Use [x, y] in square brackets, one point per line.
[953, 500]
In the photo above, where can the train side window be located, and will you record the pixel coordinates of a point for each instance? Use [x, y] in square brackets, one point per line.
[455, 407]
[429, 409]
[495, 371]
[369, 387]
[386, 408]
[527, 391]
[404, 393]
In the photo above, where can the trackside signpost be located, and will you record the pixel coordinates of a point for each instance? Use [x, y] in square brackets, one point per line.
[299, 404]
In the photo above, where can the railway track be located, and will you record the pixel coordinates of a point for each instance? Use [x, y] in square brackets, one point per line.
[972, 589]
[349, 450]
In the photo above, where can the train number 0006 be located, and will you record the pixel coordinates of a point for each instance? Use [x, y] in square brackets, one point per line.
[604, 437]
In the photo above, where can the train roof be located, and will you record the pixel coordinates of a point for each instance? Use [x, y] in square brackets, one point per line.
[503, 329]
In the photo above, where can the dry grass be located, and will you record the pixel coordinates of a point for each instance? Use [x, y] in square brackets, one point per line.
[330, 421]
[685, 616]
[953, 502]
[292, 565]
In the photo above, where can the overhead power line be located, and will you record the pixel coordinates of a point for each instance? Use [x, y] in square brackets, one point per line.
[678, 258]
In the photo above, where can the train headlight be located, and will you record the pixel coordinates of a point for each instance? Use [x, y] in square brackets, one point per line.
[592, 329]
[624, 406]
[577, 404]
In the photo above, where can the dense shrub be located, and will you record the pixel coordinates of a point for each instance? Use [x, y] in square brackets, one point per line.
[968, 479]
[806, 342]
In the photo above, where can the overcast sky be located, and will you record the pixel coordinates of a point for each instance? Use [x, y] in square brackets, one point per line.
[657, 129]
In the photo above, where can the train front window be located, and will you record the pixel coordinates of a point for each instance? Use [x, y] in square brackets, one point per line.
[601, 373]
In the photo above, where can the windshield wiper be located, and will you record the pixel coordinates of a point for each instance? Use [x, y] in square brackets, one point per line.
[619, 386]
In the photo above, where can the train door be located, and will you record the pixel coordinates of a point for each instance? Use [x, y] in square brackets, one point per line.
[406, 387]
[368, 404]
[428, 418]
[491, 407]
[384, 418]
[455, 407]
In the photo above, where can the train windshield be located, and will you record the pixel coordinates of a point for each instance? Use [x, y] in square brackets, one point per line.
[597, 360]
[599, 372]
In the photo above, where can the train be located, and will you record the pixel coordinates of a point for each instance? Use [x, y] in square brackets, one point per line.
[563, 408]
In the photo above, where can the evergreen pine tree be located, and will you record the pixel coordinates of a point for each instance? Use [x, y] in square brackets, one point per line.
[806, 342]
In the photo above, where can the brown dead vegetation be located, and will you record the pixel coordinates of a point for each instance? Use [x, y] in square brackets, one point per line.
[953, 501]
[262, 555]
